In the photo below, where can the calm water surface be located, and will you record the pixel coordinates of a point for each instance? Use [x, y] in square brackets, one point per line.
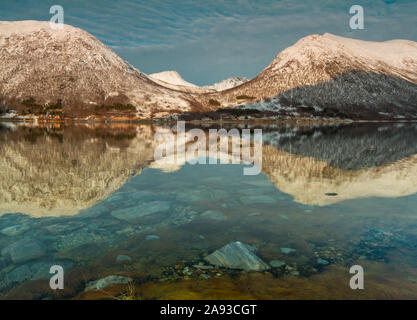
[94, 200]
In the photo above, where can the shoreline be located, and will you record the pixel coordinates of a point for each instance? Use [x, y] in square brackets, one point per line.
[323, 121]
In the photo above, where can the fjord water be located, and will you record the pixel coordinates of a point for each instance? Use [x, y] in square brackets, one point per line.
[92, 199]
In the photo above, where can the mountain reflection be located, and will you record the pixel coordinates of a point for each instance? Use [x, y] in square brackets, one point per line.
[58, 171]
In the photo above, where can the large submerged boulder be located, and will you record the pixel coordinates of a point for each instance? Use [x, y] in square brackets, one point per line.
[237, 255]
[24, 250]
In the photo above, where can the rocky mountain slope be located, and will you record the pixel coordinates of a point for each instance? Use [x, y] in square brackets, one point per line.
[69, 73]
[354, 78]
[40, 66]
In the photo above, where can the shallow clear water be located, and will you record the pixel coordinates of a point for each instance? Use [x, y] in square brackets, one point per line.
[85, 197]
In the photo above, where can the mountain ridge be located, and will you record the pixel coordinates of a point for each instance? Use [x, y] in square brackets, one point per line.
[73, 66]
[70, 73]
[173, 78]
[333, 72]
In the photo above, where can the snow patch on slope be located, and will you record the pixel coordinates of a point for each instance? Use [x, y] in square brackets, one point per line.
[228, 83]
[171, 77]
[394, 52]
[395, 57]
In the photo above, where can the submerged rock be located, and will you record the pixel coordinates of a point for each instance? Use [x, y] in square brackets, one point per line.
[64, 227]
[106, 282]
[255, 191]
[152, 237]
[237, 255]
[142, 210]
[200, 195]
[260, 183]
[277, 263]
[231, 204]
[258, 199]
[32, 271]
[17, 275]
[121, 258]
[24, 250]
[14, 230]
[287, 250]
[214, 215]
[254, 214]
[322, 261]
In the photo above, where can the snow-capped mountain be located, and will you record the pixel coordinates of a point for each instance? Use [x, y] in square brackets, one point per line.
[173, 80]
[321, 76]
[352, 77]
[46, 65]
[228, 83]
[172, 77]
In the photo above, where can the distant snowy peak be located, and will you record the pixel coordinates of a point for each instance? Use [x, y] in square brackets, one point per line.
[228, 83]
[171, 77]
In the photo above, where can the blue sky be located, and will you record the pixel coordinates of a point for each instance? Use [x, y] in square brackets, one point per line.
[207, 41]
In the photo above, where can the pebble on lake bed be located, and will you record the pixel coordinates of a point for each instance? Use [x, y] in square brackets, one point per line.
[214, 215]
[152, 237]
[277, 263]
[123, 258]
[254, 214]
[287, 250]
[203, 267]
[105, 282]
[14, 230]
[322, 261]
